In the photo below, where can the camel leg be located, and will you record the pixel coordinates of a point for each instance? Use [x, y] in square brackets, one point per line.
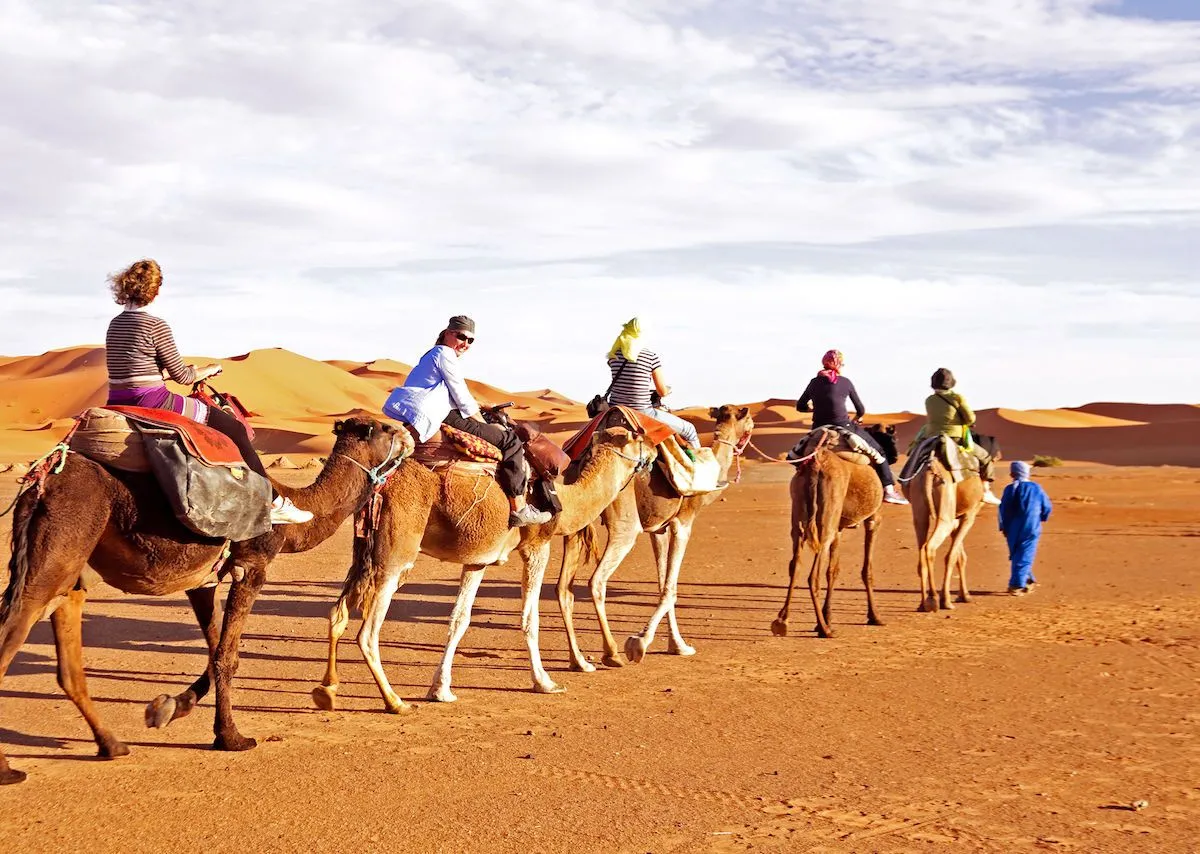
[67, 621]
[814, 589]
[460, 618]
[164, 708]
[959, 543]
[779, 626]
[927, 558]
[676, 645]
[13, 632]
[571, 561]
[636, 645]
[368, 638]
[325, 694]
[831, 574]
[225, 663]
[620, 543]
[535, 572]
[871, 527]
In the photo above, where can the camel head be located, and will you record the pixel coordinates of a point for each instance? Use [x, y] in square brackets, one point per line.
[733, 423]
[371, 443]
[886, 437]
[625, 442]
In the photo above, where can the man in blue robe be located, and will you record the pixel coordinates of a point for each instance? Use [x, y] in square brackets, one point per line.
[1024, 506]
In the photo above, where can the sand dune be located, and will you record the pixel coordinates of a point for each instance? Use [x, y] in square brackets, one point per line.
[296, 399]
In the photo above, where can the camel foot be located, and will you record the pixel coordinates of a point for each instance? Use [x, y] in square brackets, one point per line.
[325, 697]
[112, 749]
[826, 633]
[635, 648]
[614, 659]
[398, 708]
[234, 743]
[548, 688]
[582, 666]
[947, 605]
[683, 649]
[160, 711]
[779, 627]
[11, 776]
[441, 695]
[964, 598]
[875, 621]
[927, 606]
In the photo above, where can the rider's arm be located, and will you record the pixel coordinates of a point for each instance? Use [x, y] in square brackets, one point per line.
[456, 385]
[859, 409]
[660, 384]
[166, 354]
[804, 404]
[964, 412]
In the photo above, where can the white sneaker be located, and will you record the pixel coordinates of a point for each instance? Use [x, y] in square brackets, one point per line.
[284, 512]
[989, 498]
[891, 495]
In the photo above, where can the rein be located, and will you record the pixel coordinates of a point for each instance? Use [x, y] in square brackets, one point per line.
[368, 517]
[41, 468]
[739, 448]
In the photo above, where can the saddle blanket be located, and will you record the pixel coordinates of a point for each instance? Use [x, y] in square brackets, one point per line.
[107, 435]
[654, 431]
[953, 456]
[847, 444]
[687, 476]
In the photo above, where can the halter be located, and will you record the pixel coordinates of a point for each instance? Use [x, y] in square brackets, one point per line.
[739, 448]
[380, 473]
[368, 517]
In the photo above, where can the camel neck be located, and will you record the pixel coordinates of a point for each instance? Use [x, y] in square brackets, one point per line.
[331, 498]
[723, 452]
[602, 478]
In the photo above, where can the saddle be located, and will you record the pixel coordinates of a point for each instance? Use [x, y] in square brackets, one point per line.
[952, 455]
[652, 430]
[456, 450]
[200, 470]
[845, 444]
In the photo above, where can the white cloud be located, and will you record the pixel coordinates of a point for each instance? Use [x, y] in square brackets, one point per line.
[921, 180]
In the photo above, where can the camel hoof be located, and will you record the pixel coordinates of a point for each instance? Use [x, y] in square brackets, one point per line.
[827, 633]
[112, 750]
[927, 607]
[325, 697]
[160, 711]
[583, 666]
[635, 649]
[875, 621]
[235, 743]
[779, 628]
[963, 598]
[613, 660]
[681, 649]
[10, 776]
[398, 708]
[947, 605]
[441, 695]
[549, 688]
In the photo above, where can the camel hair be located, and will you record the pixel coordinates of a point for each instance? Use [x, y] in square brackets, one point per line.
[118, 523]
[463, 518]
[652, 505]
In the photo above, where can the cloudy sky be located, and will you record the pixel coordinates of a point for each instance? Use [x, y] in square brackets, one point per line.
[1010, 188]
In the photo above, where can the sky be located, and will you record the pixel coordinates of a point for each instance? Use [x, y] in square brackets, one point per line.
[1008, 188]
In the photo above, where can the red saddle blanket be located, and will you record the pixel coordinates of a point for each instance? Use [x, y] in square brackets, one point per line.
[206, 444]
[654, 430]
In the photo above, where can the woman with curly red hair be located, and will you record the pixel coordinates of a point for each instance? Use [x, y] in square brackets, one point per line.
[141, 352]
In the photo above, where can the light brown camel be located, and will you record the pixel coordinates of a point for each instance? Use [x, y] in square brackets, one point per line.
[120, 524]
[829, 495]
[464, 519]
[942, 508]
[652, 505]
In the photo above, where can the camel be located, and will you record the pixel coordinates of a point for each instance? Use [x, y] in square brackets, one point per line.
[119, 523]
[464, 519]
[942, 508]
[829, 495]
[652, 505]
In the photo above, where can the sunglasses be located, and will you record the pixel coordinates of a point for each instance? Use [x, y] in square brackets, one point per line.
[462, 337]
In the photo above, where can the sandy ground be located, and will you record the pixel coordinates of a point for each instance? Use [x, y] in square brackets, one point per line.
[1007, 725]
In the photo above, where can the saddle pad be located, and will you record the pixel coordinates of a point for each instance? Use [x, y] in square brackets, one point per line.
[456, 445]
[846, 444]
[688, 477]
[957, 461]
[654, 431]
[210, 446]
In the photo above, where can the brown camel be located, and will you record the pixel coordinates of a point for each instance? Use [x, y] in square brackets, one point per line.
[652, 505]
[464, 519]
[829, 495]
[942, 508]
[118, 523]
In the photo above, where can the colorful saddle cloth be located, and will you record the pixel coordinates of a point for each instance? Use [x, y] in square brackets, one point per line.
[654, 431]
[458, 450]
[109, 435]
[846, 444]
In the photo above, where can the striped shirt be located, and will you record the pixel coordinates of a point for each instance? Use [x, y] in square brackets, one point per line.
[138, 347]
[632, 388]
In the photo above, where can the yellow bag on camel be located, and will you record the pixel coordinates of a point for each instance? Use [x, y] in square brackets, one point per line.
[687, 476]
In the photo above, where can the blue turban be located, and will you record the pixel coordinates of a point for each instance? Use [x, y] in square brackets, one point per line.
[1019, 470]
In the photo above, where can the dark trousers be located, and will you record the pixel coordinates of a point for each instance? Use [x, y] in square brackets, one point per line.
[882, 469]
[223, 422]
[510, 474]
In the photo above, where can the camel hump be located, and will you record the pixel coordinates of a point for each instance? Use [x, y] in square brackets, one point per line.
[845, 444]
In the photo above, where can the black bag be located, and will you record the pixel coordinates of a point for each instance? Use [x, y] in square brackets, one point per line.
[656, 399]
[233, 503]
[599, 403]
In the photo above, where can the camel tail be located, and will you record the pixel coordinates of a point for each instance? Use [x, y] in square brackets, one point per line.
[18, 563]
[809, 533]
[361, 585]
[590, 540]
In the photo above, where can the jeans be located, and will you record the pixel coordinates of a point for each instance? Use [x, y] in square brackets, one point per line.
[685, 429]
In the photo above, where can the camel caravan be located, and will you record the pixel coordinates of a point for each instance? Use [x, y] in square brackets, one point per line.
[160, 494]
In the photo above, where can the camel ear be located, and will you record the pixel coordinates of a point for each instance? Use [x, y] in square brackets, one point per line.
[743, 412]
[714, 413]
[338, 427]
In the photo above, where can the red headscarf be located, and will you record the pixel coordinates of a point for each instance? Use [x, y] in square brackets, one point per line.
[832, 361]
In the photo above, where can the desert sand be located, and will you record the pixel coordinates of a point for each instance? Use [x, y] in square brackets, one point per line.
[1006, 725]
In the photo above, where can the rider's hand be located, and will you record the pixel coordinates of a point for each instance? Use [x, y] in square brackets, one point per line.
[208, 371]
